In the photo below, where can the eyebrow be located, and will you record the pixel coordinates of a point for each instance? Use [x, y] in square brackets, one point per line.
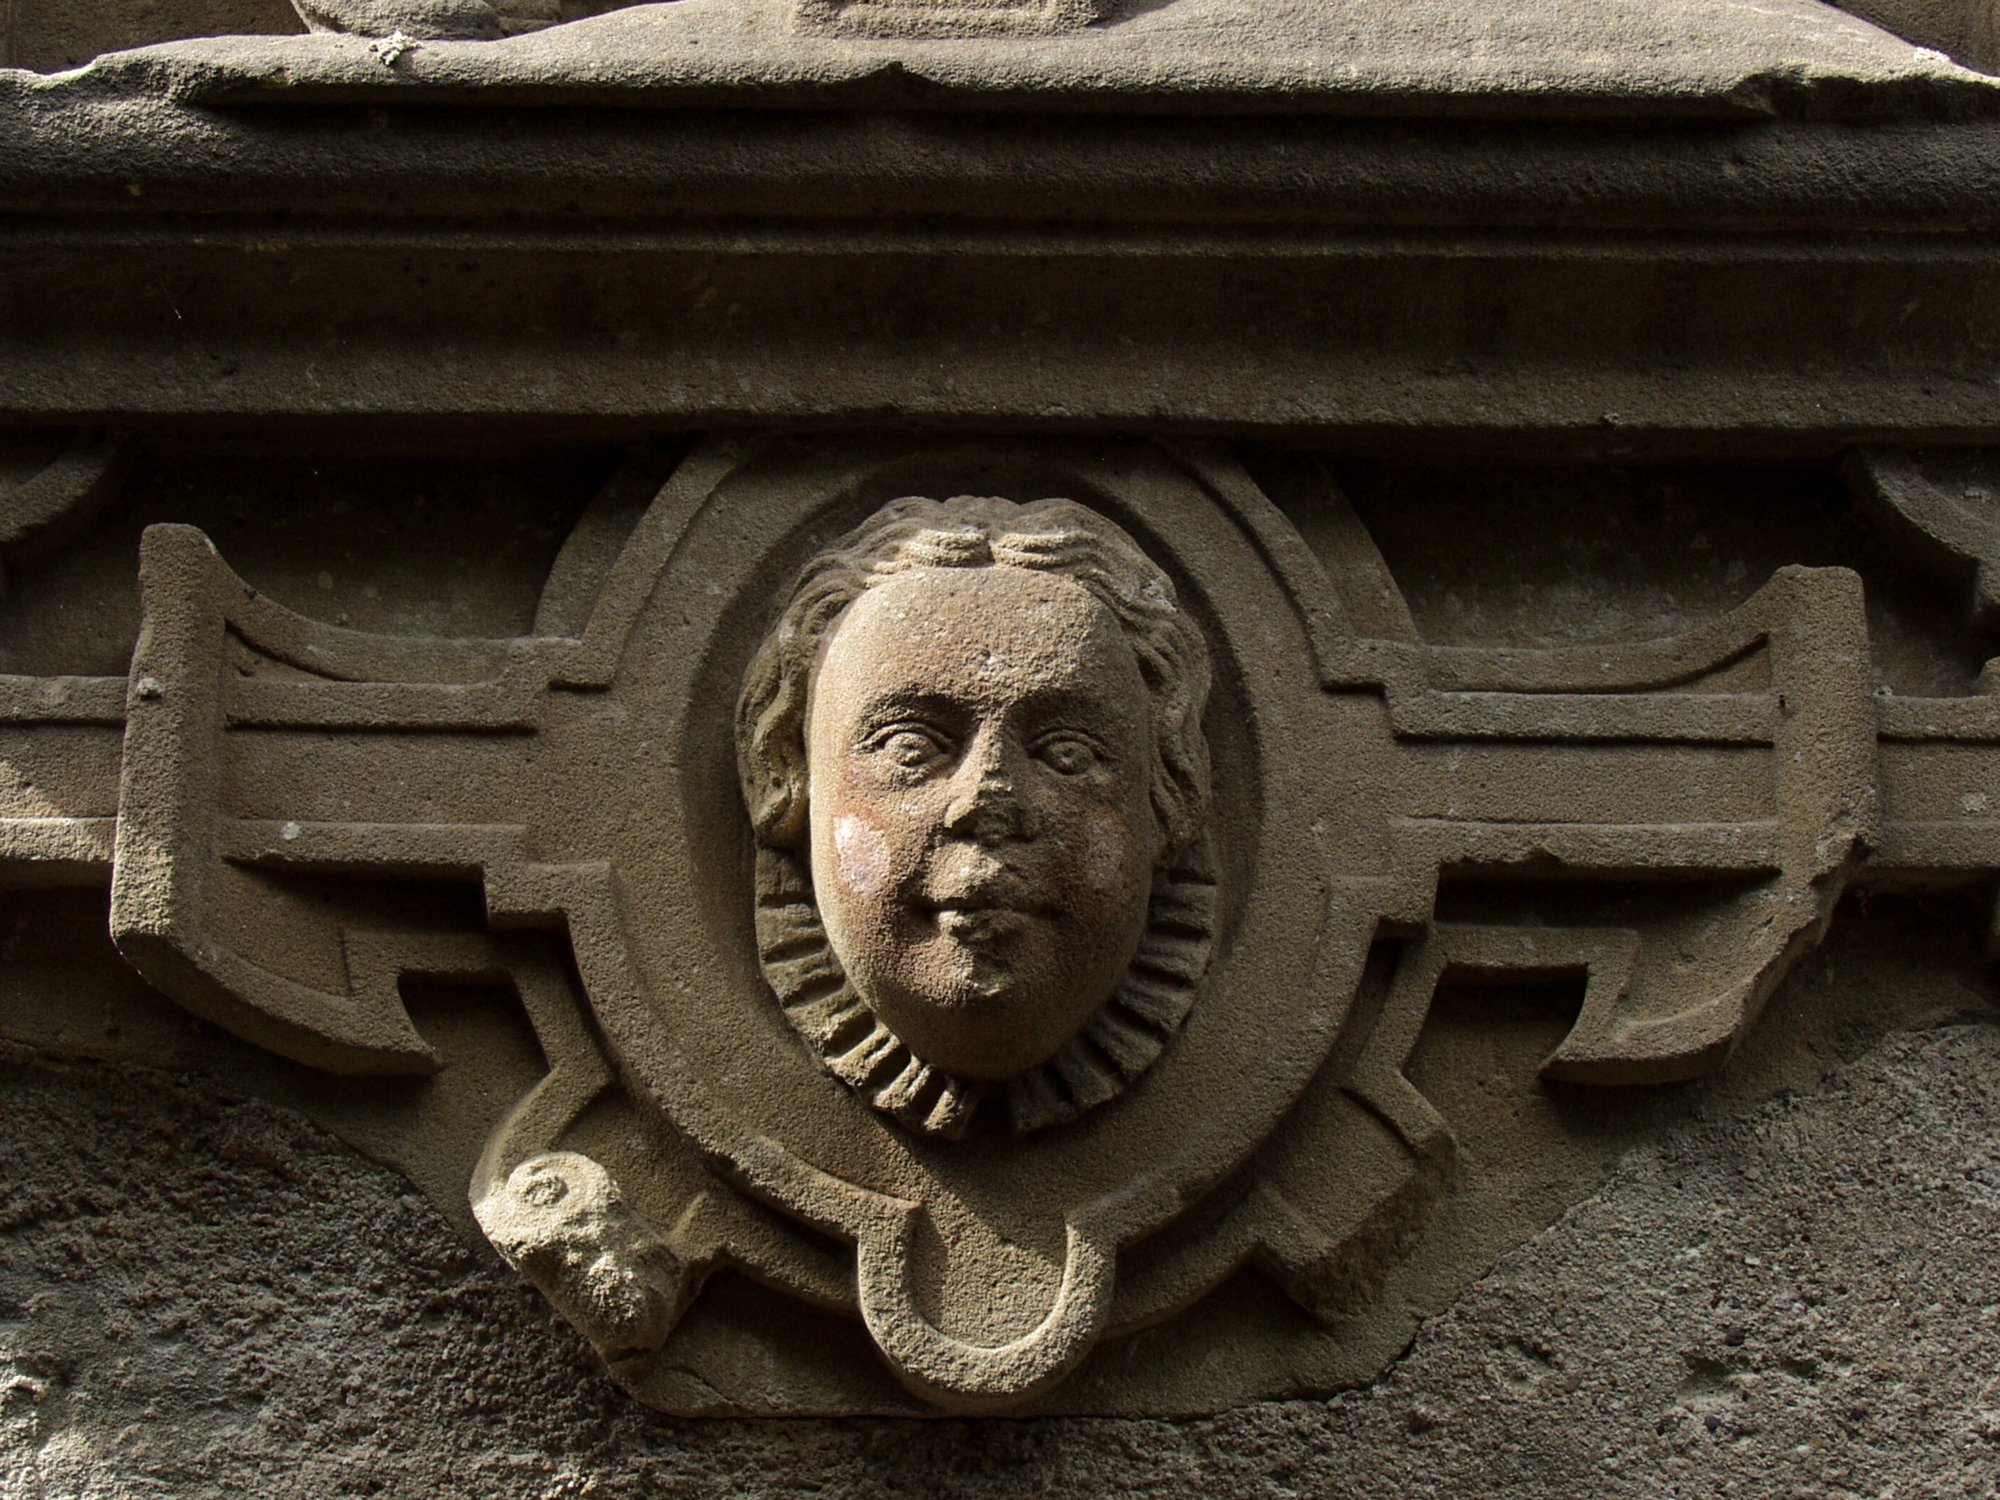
[1072, 701]
[1034, 715]
[929, 706]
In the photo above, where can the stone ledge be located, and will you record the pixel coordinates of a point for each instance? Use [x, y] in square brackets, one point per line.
[1435, 57]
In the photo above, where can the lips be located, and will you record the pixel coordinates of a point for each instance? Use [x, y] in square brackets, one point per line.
[980, 925]
[978, 905]
[979, 897]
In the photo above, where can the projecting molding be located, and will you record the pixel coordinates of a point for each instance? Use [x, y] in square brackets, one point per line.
[1517, 57]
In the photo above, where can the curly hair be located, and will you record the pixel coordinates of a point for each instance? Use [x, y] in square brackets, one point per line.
[1051, 536]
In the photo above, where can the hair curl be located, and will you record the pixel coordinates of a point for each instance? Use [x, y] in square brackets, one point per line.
[1052, 536]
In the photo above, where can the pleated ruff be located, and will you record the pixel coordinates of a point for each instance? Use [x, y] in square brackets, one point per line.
[1113, 1047]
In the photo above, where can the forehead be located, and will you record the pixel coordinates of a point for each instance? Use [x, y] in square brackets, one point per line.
[983, 633]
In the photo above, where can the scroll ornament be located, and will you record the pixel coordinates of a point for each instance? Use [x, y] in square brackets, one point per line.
[962, 856]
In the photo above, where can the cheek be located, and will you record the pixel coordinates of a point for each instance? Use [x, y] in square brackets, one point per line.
[860, 855]
[1111, 857]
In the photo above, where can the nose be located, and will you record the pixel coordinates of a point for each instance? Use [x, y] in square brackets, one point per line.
[985, 803]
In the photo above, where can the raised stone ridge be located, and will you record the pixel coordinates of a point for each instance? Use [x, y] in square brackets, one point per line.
[1521, 58]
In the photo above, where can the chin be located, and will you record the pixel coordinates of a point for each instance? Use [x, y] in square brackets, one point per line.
[976, 983]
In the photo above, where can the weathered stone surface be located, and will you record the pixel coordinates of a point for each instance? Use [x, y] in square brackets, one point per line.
[1715, 57]
[200, 1297]
[48, 37]
[1661, 822]
[409, 21]
[1505, 870]
[1968, 30]
[1000, 707]
[1667, 821]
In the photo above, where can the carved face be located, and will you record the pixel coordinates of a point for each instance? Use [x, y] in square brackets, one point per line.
[978, 752]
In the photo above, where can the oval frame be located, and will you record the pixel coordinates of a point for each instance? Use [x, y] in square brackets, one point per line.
[985, 1267]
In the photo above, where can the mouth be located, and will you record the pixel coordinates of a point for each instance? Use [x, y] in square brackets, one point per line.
[976, 899]
[978, 921]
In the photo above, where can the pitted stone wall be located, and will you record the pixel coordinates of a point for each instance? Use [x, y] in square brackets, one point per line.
[201, 1296]
[1573, 429]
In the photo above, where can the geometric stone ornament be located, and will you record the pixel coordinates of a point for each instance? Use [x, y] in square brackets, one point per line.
[1946, 509]
[946, 18]
[1214, 1050]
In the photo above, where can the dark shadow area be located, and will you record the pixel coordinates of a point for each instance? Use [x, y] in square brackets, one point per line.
[1600, 553]
[1966, 31]
[401, 544]
[50, 36]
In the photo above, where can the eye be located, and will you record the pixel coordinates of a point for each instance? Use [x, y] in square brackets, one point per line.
[1067, 754]
[910, 746]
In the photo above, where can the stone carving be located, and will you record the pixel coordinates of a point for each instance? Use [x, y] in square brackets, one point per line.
[947, 18]
[48, 510]
[1947, 509]
[677, 792]
[983, 721]
[560, 1220]
[487, 19]
[429, 20]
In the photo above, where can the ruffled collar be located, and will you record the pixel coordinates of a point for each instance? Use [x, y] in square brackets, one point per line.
[1113, 1047]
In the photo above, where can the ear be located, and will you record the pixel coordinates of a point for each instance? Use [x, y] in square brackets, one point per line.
[771, 749]
[778, 806]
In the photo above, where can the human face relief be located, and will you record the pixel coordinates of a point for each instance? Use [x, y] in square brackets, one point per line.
[978, 749]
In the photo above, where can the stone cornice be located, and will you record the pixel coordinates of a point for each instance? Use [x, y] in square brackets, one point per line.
[1416, 58]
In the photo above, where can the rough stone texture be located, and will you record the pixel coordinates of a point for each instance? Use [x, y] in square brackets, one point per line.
[1465, 56]
[1604, 556]
[51, 35]
[200, 1297]
[1037, 850]
[1967, 30]
[1708, 232]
